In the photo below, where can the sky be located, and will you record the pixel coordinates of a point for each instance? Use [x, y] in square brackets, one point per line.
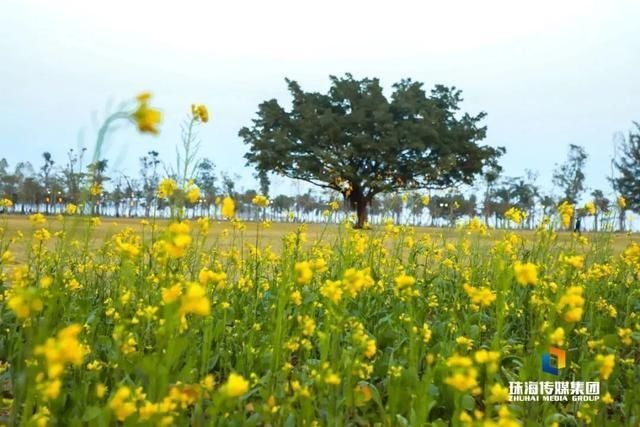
[548, 73]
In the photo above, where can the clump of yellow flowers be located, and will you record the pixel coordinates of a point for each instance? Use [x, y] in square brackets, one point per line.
[516, 215]
[64, 349]
[526, 273]
[566, 213]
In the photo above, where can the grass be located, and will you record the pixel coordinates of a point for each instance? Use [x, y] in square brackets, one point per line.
[274, 233]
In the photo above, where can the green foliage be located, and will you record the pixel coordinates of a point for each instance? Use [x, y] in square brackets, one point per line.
[570, 175]
[628, 167]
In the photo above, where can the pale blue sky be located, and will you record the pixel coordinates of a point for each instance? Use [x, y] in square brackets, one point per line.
[548, 73]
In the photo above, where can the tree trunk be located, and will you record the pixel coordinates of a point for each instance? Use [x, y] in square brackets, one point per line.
[361, 211]
[359, 203]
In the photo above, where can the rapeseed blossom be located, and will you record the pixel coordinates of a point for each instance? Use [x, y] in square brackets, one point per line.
[526, 273]
[236, 385]
[144, 116]
[228, 208]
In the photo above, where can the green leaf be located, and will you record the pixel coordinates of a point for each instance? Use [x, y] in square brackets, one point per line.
[91, 413]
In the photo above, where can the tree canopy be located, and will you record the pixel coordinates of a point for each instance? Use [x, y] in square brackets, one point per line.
[627, 183]
[357, 141]
[569, 176]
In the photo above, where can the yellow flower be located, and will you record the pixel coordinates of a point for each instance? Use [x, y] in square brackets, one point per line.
[195, 301]
[24, 302]
[566, 213]
[516, 215]
[236, 385]
[101, 390]
[37, 219]
[63, 349]
[355, 281]
[573, 300]
[46, 281]
[121, 404]
[96, 189]
[208, 382]
[172, 293]
[463, 381]
[590, 207]
[465, 342]
[304, 271]
[483, 356]
[296, 297]
[459, 361]
[308, 326]
[52, 389]
[622, 202]
[334, 205]
[576, 261]
[200, 112]
[228, 208]
[425, 200]
[6, 203]
[166, 188]
[404, 281]
[557, 337]
[476, 225]
[499, 394]
[526, 274]
[148, 410]
[179, 239]
[370, 348]
[606, 364]
[332, 290]
[332, 379]
[144, 97]
[145, 117]
[71, 209]
[625, 336]
[480, 296]
[261, 201]
[193, 194]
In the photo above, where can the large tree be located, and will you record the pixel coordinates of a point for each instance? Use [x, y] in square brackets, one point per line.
[627, 183]
[357, 141]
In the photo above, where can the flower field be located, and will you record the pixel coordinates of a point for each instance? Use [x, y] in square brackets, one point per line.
[209, 323]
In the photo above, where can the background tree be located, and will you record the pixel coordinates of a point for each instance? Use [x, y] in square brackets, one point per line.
[451, 207]
[150, 179]
[627, 183]
[356, 141]
[46, 169]
[569, 176]
[282, 204]
[524, 192]
[98, 172]
[602, 206]
[548, 204]
[206, 181]
[392, 204]
[73, 175]
[228, 184]
[490, 177]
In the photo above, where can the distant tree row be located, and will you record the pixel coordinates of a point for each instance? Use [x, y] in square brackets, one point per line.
[50, 187]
